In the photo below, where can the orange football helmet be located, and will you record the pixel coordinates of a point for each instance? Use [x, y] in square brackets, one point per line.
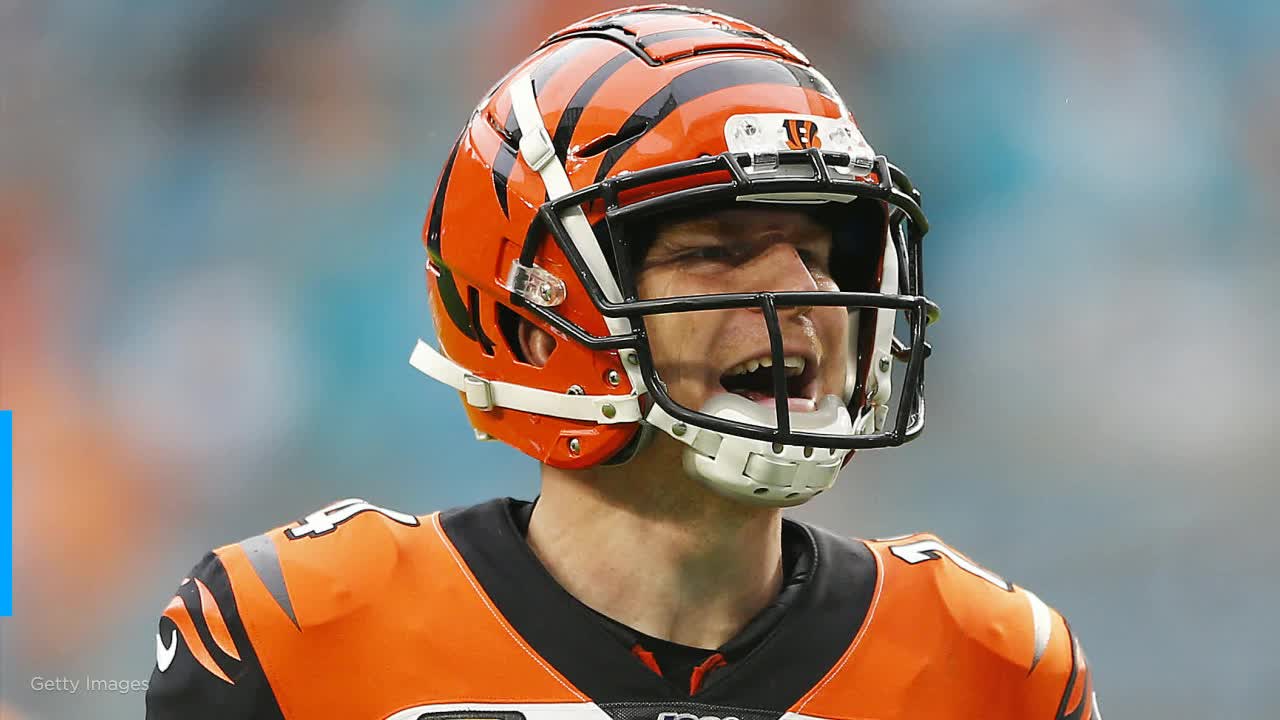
[613, 120]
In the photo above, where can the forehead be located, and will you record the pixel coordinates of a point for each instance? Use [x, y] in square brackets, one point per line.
[746, 221]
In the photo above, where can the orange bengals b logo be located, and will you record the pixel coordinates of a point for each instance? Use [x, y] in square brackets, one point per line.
[801, 134]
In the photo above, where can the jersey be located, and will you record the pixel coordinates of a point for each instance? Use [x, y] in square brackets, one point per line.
[359, 612]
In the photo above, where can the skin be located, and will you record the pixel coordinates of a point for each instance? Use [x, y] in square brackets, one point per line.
[643, 543]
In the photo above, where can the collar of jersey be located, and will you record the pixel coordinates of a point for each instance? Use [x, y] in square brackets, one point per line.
[776, 660]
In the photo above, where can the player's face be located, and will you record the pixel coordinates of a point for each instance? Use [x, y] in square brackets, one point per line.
[700, 354]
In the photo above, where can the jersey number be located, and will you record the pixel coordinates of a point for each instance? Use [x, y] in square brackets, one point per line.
[323, 522]
[923, 550]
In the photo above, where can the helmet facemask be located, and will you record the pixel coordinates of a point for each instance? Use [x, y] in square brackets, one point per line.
[772, 455]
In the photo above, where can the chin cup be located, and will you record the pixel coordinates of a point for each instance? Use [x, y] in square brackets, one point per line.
[757, 471]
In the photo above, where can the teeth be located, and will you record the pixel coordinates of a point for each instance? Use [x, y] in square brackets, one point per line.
[794, 365]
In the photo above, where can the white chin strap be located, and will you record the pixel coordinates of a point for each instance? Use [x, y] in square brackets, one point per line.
[483, 394]
[753, 471]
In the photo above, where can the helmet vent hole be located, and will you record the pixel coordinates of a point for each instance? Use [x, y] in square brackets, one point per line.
[473, 305]
[612, 140]
[760, 491]
[509, 324]
[510, 136]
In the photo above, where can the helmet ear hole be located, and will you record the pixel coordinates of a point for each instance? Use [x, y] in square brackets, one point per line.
[527, 343]
[537, 344]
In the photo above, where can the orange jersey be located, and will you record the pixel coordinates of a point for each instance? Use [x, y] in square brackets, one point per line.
[365, 613]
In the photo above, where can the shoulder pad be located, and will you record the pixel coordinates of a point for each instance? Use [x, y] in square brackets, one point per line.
[1004, 623]
[1064, 681]
[206, 666]
[327, 565]
[1007, 621]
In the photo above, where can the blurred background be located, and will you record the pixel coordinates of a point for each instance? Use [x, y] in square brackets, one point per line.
[212, 278]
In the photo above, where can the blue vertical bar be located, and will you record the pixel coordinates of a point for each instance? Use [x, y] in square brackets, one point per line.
[6, 513]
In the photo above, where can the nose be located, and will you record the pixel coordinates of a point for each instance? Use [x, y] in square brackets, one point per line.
[782, 269]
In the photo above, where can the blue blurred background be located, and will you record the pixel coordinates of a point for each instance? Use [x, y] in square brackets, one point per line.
[212, 278]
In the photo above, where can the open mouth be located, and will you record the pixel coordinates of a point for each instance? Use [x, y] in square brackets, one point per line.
[753, 379]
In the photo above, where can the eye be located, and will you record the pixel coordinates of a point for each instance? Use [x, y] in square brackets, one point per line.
[710, 252]
[815, 259]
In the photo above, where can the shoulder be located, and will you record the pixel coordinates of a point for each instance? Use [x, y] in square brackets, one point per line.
[329, 563]
[243, 600]
[206, 665]
[1005, 628]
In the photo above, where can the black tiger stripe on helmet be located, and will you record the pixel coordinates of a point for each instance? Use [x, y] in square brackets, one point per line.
[505, 160]
[704, 80]
[578, 103]
[446, 287]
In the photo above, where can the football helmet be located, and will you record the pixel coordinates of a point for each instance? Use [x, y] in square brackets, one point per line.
[618, 119]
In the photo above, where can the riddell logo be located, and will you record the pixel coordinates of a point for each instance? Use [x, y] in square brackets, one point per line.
[801, 134]
[691, 716]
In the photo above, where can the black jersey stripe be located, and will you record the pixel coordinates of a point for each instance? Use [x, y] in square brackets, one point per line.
[184, 690]
[265, 560]
[1080, 675]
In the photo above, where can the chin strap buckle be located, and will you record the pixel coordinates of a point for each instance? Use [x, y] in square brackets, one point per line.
[477, 391]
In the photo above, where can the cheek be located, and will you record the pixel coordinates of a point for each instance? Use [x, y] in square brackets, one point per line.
[679, 343]
[677, 340]
[833, 325]
[833, 330]
[666, 337]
